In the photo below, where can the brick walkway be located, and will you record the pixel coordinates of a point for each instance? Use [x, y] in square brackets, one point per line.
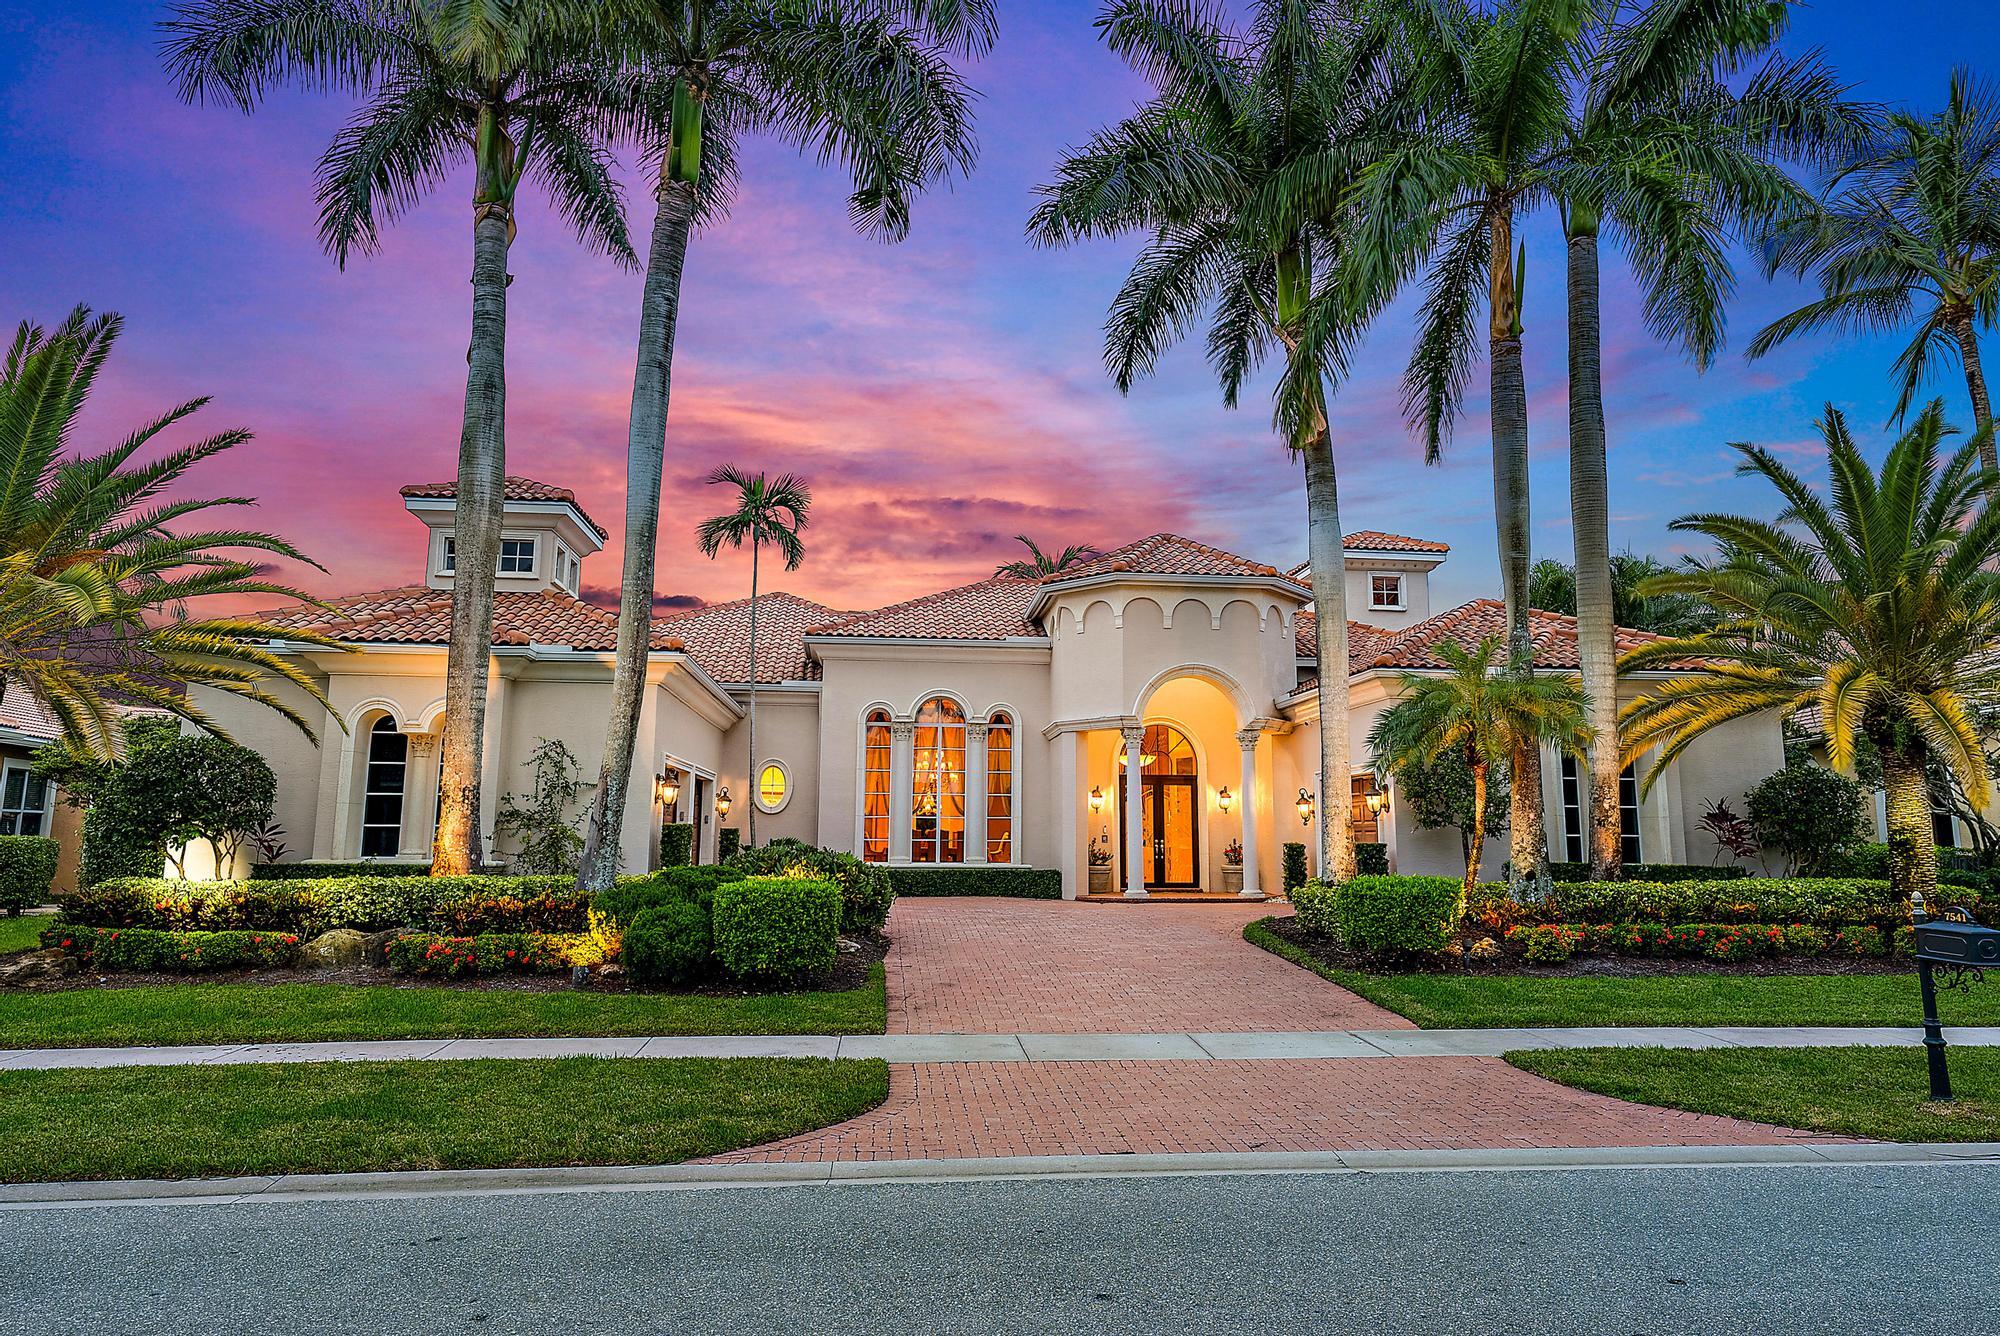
[976, 1110]
[1004, 966]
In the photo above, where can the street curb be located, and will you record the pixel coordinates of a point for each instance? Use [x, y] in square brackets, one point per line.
[710, 1177]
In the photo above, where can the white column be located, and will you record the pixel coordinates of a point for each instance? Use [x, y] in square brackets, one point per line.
[1253, 885]
[1135, 797]
[1071, 855]
[975, 791]
[902, 771]
[420, 784]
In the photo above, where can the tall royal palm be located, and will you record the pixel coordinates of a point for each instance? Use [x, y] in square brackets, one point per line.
[1238, 172]
[866, 83]
[768, 510]
[1668, 157]
[1909, 234]
[511, 90]
[1876, 604]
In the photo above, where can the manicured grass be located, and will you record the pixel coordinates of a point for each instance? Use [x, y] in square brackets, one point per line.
[189, 1122]
[1865, 1092]
[235, 1013]
[1482, 1001]
[23, 933]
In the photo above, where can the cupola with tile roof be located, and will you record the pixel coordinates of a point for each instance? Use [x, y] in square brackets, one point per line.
[1388, 577]
[545, 536]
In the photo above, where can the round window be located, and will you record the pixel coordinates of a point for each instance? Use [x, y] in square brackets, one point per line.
[773, 786]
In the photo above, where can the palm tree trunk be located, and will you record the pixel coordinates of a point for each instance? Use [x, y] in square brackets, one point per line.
[1328, 558]
[482, 469]
[1912, 848]
[645, 461]
[1589, 508]
[1975, 384]
[1478, 845]
[1529, 852]
[756, 549]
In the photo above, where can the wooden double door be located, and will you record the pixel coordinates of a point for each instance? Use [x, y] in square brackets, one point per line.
[1170, 837]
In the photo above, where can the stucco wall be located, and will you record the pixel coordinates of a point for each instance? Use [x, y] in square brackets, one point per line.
[788, 731]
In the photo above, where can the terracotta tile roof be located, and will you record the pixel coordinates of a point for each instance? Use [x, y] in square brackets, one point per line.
[718, 637]
[1552, 634]
[24, 714]
[1374, 540]
[517, 489]
[416, 615]
[991, 609]
[1165, 554]
[1362, 639]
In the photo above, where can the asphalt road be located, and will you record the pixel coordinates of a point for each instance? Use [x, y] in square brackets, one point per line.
[1767, 1249]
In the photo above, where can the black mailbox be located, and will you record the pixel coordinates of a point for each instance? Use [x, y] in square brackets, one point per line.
[1945, 942]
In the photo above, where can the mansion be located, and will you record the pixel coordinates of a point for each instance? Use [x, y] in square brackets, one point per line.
[1144, 722]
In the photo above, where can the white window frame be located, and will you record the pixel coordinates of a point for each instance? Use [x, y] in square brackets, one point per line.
[10, 817]
[401, 794]
[447, 556]
[1402, 591]
[757, 786]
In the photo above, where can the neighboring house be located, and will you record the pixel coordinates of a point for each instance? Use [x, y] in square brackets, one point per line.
[1155, 701]
[30, 805]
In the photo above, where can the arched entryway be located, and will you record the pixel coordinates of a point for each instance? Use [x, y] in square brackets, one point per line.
[1170, 809]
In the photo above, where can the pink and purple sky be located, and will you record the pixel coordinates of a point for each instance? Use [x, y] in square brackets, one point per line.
[940, 395]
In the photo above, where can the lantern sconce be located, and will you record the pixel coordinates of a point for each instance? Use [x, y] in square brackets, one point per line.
[1096, 799]
[722, 801]
[1376, 802]
[667, 789]
[1305, 806]
[1223, 798]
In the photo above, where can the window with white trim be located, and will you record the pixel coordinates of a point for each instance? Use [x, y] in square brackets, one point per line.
[382, 790]
[448, 559]
[937, 797]
[1576, 845]
[1385, 591]
[774, 786]
[27, 801]
[517, 556]
[876, 751]
[1000, 789]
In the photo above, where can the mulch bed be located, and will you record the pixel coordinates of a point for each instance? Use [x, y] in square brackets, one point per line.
[1616, 967]
[850, 970]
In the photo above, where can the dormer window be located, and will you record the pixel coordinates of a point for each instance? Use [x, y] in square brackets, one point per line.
[1385, 591]
[517, 556]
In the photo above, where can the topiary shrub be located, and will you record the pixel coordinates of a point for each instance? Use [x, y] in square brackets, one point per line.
[670, 944]
[776, 930]
[1312, 903]
[1396, 916]
[1295, 866]
[27, 869]
[865, 888]
[676, 844]
[1371, 859]
[1028, 883]
[728, 841]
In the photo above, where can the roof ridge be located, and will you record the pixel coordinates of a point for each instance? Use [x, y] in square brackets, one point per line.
[745, 601]
[846, 619]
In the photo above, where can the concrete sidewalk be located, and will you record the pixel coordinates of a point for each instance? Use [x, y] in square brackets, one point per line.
[956, 1048]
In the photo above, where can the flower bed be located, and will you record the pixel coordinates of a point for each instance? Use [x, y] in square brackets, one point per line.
[437, 956]
[1553, 943]
[171, 952]
[456, 905]
[1823, 902]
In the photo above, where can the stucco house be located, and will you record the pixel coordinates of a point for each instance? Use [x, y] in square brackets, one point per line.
[1148, 711]
[30, 805]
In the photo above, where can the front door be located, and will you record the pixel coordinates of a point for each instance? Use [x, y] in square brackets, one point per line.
[1168, 801]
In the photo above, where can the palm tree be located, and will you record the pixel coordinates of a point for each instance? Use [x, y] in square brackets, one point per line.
[767, 511]
[518, 90]
[1238, 171]
[1911, 233]
[862, 82]
[1488, 715]
[1039, 565]
[1878, 605]
[1552, 587]
[1668, 157]
[95, 575]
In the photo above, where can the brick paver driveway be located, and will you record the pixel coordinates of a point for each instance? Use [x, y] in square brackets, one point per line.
[1004, 966]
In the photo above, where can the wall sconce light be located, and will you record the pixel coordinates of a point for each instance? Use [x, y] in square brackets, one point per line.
[722, 801]
[1096, 799]
[670, 788]
[1223, 798]
[1305, 806]
[1376, 802]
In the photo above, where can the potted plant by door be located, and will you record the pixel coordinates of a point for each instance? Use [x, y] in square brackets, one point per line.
[1232, 867]
[1100, 868]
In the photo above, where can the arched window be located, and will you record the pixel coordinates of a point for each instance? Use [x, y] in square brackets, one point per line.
[774, 786]
[937, 791]
[382, 790]
[875, 789]
[1000, 789]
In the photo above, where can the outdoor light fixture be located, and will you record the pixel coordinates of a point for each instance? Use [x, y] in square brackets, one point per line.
[670, 788]
[1096, 799]
[722, 801]
[1223, 799]
[1376, 802]
[1305, 806]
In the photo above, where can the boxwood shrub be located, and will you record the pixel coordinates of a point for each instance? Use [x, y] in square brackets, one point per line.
[728, 841]
[172, 952]
[314, 871]
[1371, 859]
[671, 943]
[27, 869]
[454, 905]
[1029, 883]
[1295, 866]
[1655, 872]
[776, 930]
[677, 844]
[620, 905]
[865, 888]
[1396, 916]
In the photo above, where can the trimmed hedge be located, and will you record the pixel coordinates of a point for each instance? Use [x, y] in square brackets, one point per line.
[677, 844]
[776, 930]
[27, 869]
[1825, 902]
[1029, 883]
[672, 943]
[728, 842]
[623, 903]
[865, 888]
[1554, 943]
[311, 871]
[1371, 859]
[1658, 873]
[440, 956]
[453, 905]
[1383, 916]
[1295, 866]
[172, 952]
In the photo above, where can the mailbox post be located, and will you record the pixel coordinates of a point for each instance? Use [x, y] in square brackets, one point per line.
[1965, 949]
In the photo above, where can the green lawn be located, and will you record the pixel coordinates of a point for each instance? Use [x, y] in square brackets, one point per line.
[189, 1122]
[1867, 1092]
[22, 933]
[1474, 1001]
[235, 1013]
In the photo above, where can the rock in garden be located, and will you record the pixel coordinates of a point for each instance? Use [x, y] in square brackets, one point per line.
[35, 967]
[336, 950]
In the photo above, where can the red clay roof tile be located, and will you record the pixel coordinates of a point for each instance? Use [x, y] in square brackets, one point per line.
[517, 489]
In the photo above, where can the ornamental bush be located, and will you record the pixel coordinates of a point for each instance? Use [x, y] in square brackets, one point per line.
[1295, 866]
[171, 952]
[728, 841]
[1859, 940]
[457, 905]
[1821, 901]
[865, 889]
[621, 904]
[670, 944]
[677, 844]
[27, 869]
[1028, 883]
[776, 930]
[1312, 903]
[1371, 859]
[1808, 813]
[315, 871]
[1660, 873]
[1547, 943]
[439, 956]
[1396, 916]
